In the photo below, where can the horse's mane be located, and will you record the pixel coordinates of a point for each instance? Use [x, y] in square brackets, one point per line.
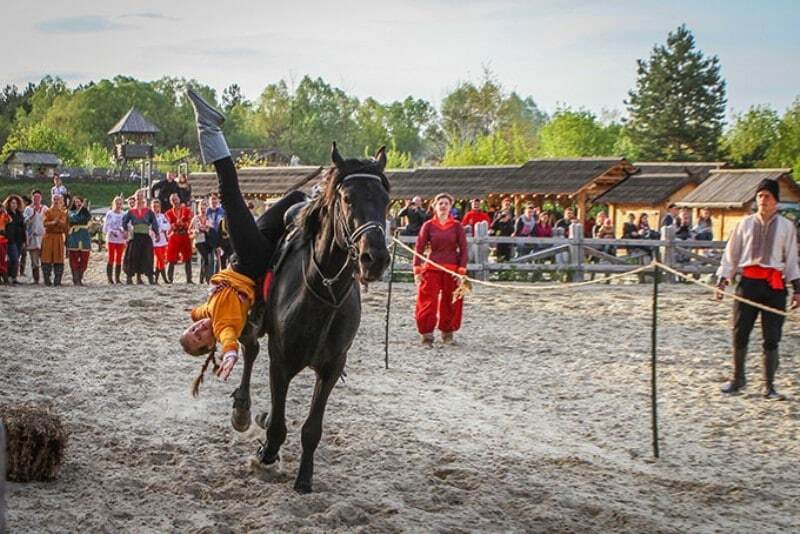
[314, 214]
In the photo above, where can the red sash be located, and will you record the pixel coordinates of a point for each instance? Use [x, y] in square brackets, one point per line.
[266, 284]
[774, 277]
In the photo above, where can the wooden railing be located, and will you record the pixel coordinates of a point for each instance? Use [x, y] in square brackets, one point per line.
[579, 256]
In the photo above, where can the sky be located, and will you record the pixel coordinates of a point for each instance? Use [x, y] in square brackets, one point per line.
[580, 53]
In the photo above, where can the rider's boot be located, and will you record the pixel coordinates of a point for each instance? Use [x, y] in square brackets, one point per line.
[213, 146]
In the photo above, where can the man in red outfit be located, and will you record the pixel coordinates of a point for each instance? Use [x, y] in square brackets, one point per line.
[179, 244]
[475, 215]
[448, 247]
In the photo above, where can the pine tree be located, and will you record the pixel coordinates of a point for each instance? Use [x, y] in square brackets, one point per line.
[676, 111]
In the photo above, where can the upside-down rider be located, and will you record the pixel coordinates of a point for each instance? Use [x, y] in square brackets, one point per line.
[233, 290]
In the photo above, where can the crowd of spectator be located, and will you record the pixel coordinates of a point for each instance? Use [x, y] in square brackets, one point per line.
[536, 222]
[145, 241]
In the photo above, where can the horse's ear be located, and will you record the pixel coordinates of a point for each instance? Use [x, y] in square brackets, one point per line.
[336, 157]
[380, 157]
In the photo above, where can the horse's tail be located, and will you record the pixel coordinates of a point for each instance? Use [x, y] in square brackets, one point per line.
[199, 378]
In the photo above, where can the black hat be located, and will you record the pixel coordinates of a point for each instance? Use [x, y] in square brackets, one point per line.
[771, 186]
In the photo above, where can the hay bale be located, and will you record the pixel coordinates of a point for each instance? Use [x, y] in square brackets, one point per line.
[35, 442]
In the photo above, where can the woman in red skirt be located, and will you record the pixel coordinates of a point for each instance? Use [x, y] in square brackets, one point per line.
[445, 238]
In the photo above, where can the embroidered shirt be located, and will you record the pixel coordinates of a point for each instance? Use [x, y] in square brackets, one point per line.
[771, 243]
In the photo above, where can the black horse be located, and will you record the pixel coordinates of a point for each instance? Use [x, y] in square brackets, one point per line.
[313, 309]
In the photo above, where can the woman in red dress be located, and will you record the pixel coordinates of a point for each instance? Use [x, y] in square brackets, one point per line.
[447, 241]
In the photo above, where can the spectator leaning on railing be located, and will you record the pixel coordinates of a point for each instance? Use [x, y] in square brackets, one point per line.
[475, 215]
[523, 227]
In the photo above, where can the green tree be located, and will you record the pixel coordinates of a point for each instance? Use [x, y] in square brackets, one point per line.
[42, 138]
[676, 110]
[471, 115]
[785, 151]
[232, 96]
[12, 99]
[272, 119]
[95, 155]
[752, 135]
[577, 134]
[498, 148]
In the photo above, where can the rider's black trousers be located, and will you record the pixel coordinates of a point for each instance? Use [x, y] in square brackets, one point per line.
[253, 241]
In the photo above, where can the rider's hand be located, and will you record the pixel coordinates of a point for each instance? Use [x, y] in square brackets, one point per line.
[228, 362]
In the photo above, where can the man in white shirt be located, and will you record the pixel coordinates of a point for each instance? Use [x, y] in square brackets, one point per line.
[765, 246]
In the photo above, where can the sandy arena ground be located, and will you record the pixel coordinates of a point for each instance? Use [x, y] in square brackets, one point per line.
[538, 421]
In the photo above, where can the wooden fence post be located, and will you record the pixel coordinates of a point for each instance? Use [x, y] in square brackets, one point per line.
[576, 250]
[670, 254]
[482, 247]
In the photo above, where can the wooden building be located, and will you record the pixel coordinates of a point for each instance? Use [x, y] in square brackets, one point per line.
[32, 164]
[463, 183]
[652, 188]
[564, 182]
[260, 182]
[134, 137]
[730, 195]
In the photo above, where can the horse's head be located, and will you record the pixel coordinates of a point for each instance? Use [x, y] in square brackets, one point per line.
[361, 191]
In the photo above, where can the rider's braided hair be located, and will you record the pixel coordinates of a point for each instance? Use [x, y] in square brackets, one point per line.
[199, 378]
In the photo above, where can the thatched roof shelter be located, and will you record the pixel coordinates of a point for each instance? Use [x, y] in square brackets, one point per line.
[729, 195]
[461, 182]
[261, 182]
[646, 188]
[33, 158]
[699, 169]
[736, 188]
[570, 177]
[133, 123]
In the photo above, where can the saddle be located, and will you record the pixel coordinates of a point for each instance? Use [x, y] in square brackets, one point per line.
[255, 321]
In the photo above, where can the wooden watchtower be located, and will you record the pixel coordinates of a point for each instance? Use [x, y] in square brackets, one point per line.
[134, 137]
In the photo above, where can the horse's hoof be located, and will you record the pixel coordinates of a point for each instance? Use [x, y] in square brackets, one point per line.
[240, 419]
[303, 488]
[267, 459]
[261, 419]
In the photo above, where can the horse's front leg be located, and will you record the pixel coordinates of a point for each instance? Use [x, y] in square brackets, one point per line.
[240, 417]
[276, 425]
[312, 428]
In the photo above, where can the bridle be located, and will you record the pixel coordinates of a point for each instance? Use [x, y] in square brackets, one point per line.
[347, 237]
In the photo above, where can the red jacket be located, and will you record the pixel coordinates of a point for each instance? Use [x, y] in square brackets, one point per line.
[448, 245]
[475, 216]
[179, 222]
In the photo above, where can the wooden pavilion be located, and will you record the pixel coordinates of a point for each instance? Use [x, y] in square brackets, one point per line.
[260, 182]
[652, 188]
[564, 182]
[730, 195]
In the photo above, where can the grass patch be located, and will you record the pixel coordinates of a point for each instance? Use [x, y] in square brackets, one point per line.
[99, 194]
